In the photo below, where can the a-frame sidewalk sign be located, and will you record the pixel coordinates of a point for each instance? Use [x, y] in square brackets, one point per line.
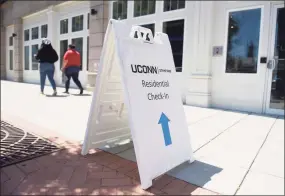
[137, 97]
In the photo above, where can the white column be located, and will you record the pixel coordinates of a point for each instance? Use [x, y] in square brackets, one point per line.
[199, 92]
[204, 49]
[53, 30]
[52, 26]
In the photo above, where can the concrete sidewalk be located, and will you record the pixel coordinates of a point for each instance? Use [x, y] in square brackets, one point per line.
[237, 153]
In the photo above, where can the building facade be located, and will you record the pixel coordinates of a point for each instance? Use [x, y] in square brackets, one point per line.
[227, 54]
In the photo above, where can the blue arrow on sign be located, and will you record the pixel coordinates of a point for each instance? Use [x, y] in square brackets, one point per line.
[165, 129]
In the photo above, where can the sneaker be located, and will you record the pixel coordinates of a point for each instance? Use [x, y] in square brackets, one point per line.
[54, 93]
[42, 93]
[66, 92]
[81, 91]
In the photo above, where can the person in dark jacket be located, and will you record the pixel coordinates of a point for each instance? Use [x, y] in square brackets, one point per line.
[47, 56]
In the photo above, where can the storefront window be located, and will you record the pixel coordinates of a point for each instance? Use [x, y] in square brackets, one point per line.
[243, 41]
[144, 7]
[35, 63]
[173, 5]
[27, 35]
[77, 23]
[64, 26]
[175, 32]
[11, 41]
[120, 9]
[44, 31]
[88, 20]
[63, 48]
[35, 33]
[87, 64]
[27, 55]
[11, 59]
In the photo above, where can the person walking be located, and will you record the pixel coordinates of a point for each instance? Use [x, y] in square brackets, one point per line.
[71, 67]
[47, 56]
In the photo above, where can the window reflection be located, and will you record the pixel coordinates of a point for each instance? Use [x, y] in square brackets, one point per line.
[175, 32]
[35, 63]
[77, 23]
[63, 46]
[120, 9]
[243, 41]
[27, 51]
[35, 33]
[11, 59]
[64, 26]
[26, 35]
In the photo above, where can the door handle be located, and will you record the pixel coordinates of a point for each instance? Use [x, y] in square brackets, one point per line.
[271, 64]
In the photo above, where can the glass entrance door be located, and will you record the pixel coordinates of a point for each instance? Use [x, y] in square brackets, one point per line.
[276, 63]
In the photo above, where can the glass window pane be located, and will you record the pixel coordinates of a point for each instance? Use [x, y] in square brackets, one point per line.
[11, 59]
[11, 41]
[88, 20]
[173, 4]
[137, 6]
[27, 35]
[144, 7]
[144, 10]
[62, 48]
[175, 32]
[35, 63]
[166, 6]
[124, 15]
[27, 56]
[64, 26]
[151, 6]
[87, 65]
[77, 23]
[181, 4]
[115, 10]
[78, 42]
[120, 8]
[243, 41]
[278, 73]
[44, 31]
[35, 33]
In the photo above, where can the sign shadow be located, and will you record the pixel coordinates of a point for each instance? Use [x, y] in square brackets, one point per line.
[198, 173]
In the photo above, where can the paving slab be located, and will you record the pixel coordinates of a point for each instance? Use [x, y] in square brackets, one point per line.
[270, 159]
[195, 114]
[239, 145]
[207, 129]
[261, 184]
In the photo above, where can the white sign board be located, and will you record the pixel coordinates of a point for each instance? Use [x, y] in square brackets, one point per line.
[137, 92]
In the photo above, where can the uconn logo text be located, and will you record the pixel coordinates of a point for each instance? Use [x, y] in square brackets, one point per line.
[144, 69]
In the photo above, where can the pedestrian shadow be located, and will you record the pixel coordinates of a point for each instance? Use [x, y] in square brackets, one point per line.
[55, 96]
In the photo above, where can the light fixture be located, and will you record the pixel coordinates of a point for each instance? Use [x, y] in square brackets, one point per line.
[14, 34]
[93, 11]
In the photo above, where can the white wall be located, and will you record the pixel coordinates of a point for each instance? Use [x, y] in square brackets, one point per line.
[195, 76]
